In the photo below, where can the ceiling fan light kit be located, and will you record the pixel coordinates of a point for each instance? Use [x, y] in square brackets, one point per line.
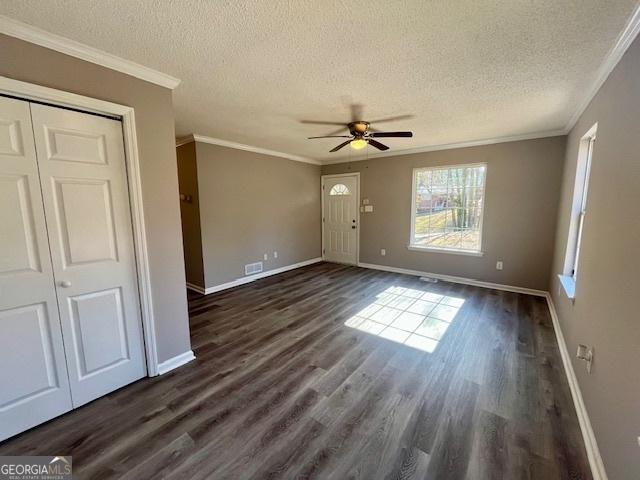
[358, 143]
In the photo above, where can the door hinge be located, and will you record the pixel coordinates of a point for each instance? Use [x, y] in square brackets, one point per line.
[323, 251]
[322, 219]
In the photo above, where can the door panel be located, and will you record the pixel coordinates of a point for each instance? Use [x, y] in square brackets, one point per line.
[85, 220]
[99, 331]
[84, 184]
[75, 146]
[33, 375]
[30, 345]
[340, 226]
[16, 216]
[11, 137]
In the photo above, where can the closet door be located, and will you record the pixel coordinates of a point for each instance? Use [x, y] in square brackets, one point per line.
[33, 375]
[84, 187]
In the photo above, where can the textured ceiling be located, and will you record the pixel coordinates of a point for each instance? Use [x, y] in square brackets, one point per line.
[250, 70]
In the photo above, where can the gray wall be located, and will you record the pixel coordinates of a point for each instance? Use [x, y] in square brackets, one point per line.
[252, 204]
[190, 213]
[522, 191]
[605, 313]
[156, 144]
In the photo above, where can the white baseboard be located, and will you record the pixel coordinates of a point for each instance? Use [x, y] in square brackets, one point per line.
[453, 279]
[175, 362]
[593, 453]
[258, 276]
[195, 288]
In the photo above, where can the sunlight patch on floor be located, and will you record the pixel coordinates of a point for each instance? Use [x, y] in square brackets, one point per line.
[408, 316]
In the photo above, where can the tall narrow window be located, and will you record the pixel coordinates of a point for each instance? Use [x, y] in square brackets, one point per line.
[583, 207]
[578, 211]
[447, 208]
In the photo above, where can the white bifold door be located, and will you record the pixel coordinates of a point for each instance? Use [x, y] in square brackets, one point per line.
[70, 328]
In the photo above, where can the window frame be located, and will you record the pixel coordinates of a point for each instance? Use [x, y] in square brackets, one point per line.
[454, 251]
[568, 277]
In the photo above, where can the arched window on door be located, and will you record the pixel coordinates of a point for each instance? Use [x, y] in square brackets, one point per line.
[339, 189]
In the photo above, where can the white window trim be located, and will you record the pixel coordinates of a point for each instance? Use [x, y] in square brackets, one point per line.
[455, 251]
[568, 279]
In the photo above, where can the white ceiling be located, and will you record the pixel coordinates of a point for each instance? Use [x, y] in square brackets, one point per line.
[251, 70]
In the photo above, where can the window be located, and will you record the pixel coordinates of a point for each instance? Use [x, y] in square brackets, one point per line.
[578, 211]
[339, 189]
[447, 208]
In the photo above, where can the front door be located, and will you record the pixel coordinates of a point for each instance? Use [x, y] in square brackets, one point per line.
[340, 221]
[84, 188]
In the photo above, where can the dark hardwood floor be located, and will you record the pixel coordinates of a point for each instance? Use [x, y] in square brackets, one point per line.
[299, 375]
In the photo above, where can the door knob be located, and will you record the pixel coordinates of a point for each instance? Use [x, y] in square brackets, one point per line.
[65, 284]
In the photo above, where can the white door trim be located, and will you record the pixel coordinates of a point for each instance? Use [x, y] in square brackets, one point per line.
[30, 91]
[338, 175]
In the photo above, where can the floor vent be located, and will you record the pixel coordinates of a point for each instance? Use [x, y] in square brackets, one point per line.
[252, 268]
[429, 279]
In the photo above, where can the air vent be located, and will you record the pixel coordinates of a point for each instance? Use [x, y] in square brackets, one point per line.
[429, 279]
[252, 268]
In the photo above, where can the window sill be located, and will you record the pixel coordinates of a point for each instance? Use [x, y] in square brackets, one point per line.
[569, 286]
[470, 253]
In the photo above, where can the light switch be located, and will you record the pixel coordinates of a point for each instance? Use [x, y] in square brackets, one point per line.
[368, 208]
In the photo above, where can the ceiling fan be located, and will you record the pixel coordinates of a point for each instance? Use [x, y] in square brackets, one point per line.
[361, 132]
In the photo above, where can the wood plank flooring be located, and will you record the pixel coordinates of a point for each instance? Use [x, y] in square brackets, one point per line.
[308, 374]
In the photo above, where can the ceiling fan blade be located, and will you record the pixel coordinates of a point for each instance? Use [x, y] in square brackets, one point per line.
[340, 130]
[344, 144]
[320, 122]
[392, 119]
[378, 145]
[391, 134]
[331, 136]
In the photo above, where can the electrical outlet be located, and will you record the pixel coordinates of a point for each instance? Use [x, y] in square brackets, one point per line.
[266, 257]
[383, 252]
[499, 265]
[275, 254]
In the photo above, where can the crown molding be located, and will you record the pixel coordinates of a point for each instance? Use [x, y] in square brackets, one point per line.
[448, 146]
[614, 56]
[249, 148]
[31, 34]
[184, 140]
